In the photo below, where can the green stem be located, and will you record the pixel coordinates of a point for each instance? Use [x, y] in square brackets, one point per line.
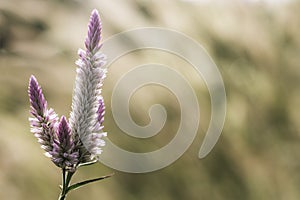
[65, 183]
[62, 194]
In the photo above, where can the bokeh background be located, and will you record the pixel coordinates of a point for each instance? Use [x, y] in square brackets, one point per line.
[256, 46]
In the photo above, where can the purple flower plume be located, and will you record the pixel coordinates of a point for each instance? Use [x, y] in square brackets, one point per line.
[36, 97]
[44, 121]
[94, 32]
[87, 105]
[63, 153]
[80, 140]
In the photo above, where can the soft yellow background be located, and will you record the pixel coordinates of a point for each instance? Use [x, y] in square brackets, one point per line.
[256, 46]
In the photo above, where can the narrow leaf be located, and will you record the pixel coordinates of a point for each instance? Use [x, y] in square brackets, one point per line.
[80, 184]
[87, 163]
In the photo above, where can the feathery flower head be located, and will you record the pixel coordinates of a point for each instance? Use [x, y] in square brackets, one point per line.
[63, 153]
[87, 103]
[38, 103]
[78, 141]
[94, 32]
[44, 121]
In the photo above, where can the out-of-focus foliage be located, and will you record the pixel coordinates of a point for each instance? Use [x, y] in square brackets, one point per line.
[257, 49]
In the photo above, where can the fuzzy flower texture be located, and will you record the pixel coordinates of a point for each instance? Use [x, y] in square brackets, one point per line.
[78, 140]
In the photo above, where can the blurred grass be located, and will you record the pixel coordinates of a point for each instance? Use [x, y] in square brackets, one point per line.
[256, 47]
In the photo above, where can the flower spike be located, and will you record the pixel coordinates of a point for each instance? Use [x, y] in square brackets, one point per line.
[38, 103]
[44, 122]
[87, 99]
[94, 32]
[63, 153]
[78, 141]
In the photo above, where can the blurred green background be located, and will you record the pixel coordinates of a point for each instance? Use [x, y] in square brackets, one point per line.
[256, 46]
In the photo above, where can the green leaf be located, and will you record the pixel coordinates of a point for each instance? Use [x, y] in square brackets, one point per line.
[87, 163]
[80, 184]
